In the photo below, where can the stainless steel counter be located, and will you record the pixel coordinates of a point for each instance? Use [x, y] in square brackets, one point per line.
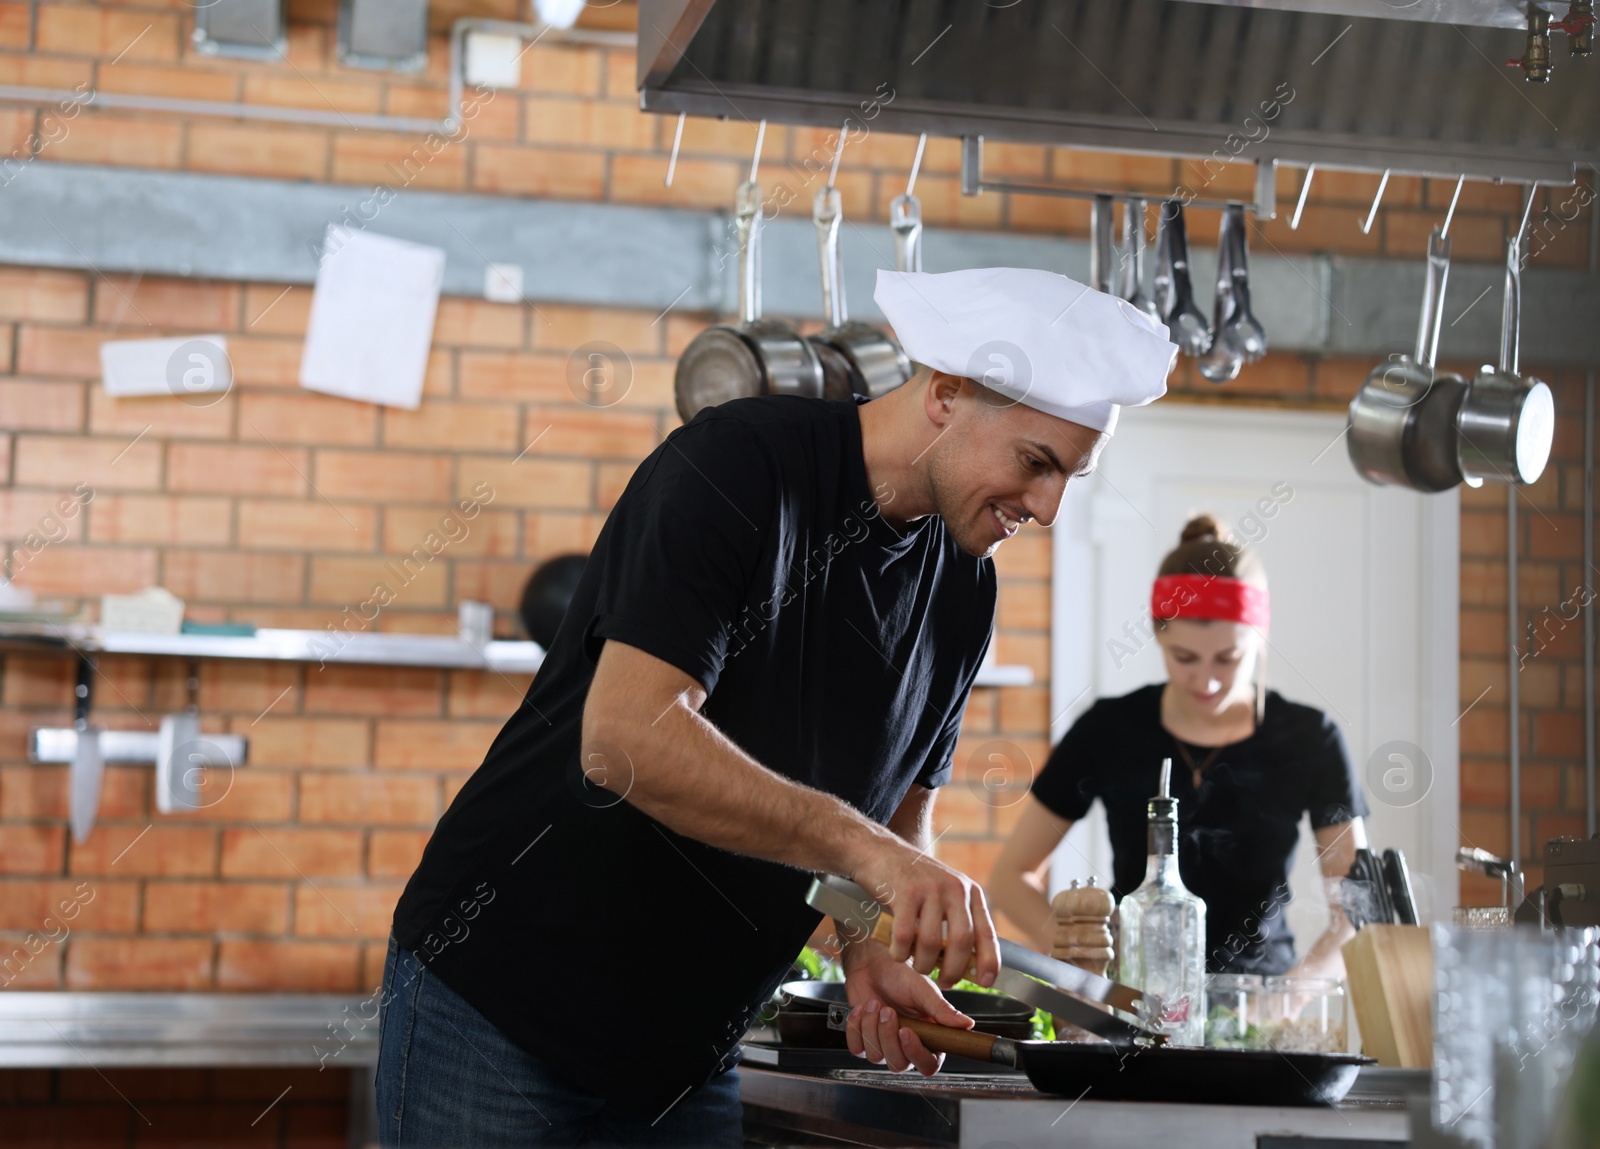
[1002, 1111]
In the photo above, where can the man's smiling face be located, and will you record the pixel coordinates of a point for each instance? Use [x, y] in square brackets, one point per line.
[998, 464]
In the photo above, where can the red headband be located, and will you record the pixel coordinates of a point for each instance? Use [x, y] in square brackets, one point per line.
[1207, 596]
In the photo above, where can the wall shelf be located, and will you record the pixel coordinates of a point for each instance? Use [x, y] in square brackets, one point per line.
[325, 648]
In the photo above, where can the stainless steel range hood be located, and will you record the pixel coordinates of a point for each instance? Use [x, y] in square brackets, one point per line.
[1420, 87]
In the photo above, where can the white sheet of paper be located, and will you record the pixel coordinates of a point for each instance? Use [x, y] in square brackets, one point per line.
[186, 365]
[371, 318]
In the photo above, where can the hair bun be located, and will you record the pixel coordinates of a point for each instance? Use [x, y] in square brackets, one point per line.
[1199, 527]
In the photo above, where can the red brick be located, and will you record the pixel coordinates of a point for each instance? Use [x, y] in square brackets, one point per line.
[32, 849]
[326, 967]
[351, 583]
[77, 905]
[94, 31]
[547, 173]
[44, 294]
[511, 375]
[83, 571]
[352, 690]
[398, 162]
[289, 853]
[172, 519]
[488, 533]
[304, 742]
[41, 792]
[306, 524]
[59, 462]
[228, 576]
[395, 853]
[383, 476]
[306, 417]
[120, 141]
[216, 907]
[457, 426]
[366, 799]
[345, 911]
[453, 745]
[158, 416]
[483, 694]
[139, 963]
[236, 468]
[526, 482]
[269, 152]
[183, 83]
[37, 405]
[151, 849]
[599, 433]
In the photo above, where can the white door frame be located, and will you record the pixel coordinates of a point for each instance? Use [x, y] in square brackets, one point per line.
[1074, 630]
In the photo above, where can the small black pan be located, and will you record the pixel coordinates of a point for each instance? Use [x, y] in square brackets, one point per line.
[803, 1016]
[1157, 1073]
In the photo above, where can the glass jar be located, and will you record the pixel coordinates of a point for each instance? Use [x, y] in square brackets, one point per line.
[1304, 1014]
[1233, 1011]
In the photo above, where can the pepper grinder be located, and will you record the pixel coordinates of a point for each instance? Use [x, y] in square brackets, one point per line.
[1083, 927]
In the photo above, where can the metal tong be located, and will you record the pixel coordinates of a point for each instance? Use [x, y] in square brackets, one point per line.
[860, 916]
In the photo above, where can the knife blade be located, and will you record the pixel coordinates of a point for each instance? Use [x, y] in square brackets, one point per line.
[853, 908]
[1068, 1008]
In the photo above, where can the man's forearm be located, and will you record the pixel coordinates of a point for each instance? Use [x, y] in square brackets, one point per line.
[687, 775]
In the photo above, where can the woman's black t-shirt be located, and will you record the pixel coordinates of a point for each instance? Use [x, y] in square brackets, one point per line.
[1236, 835]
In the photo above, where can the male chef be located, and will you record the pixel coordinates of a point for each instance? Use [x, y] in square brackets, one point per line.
[761, 675]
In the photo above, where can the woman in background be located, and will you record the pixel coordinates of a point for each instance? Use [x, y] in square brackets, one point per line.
[1246, 764]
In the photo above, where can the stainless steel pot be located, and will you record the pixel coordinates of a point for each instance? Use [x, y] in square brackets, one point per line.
[1402, 423]
[756, 356]
[877, 362]
[1507, 420]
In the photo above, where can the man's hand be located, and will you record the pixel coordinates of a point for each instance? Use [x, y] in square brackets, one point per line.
[937, 911]
[880, 989]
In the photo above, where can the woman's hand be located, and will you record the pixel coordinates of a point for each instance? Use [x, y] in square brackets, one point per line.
[880, 989]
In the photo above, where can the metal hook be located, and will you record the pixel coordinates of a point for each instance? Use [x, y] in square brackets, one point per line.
[1376, 200]
[1300, 204]
[1449, 215]
[755, 160]
[677, 140]
[916, 163]
[838, 153]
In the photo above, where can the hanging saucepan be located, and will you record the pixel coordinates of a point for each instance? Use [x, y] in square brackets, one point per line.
[1402, 424]
[1507, 420]
[877, 362]
[758, 356]
[1173, 291]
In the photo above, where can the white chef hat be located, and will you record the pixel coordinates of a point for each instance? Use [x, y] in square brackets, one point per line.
[1033, 336]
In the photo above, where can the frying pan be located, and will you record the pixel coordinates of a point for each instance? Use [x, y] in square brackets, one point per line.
[755, 356]
[1164, 1073]
[803, 1018]
[877, 363]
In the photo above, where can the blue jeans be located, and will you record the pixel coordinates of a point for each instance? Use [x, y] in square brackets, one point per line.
[448, 1077]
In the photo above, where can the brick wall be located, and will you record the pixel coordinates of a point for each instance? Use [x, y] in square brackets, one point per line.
[280, 507]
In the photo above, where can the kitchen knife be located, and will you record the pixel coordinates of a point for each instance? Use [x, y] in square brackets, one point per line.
[855, 909]
[88, 768]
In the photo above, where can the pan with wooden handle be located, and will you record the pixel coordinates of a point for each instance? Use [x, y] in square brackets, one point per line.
[1149, 1073]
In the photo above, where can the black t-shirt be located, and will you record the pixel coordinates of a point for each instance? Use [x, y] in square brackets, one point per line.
[747, 551]
[1237, 836]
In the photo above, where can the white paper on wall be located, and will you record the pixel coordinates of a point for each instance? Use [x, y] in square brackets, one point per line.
[372, 318]
[185, 365]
